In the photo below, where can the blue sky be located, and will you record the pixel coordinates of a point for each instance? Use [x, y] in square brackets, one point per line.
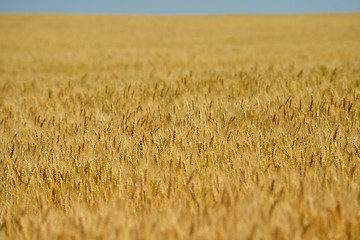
[179, 6]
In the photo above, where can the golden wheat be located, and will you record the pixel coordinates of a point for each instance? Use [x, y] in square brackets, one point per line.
[222, 127]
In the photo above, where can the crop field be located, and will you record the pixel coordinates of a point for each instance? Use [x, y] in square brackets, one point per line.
[179, 127]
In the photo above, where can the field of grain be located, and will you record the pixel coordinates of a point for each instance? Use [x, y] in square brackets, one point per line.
[209, 127]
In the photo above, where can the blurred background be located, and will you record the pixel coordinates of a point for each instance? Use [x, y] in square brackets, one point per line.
[180, 7]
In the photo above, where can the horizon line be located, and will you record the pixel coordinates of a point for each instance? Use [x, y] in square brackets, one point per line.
[180, 14]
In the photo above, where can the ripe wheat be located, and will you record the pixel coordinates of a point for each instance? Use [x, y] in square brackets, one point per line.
[222, 127]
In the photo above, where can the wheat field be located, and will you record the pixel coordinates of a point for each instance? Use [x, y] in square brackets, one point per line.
[180, 127]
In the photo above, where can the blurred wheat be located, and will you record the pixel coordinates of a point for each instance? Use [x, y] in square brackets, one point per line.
[222, 127]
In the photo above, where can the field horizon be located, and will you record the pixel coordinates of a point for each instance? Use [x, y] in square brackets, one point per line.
[180, 127]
